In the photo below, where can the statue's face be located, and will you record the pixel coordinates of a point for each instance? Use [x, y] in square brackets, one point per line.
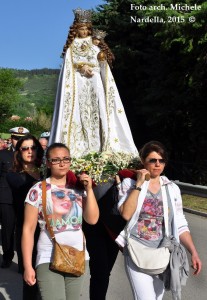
[82, 31]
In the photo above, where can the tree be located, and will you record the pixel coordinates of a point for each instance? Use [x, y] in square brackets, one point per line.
[160, 70]
[9, 87]
[34, 126]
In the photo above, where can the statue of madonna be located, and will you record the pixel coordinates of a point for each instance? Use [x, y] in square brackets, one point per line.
[89, 115]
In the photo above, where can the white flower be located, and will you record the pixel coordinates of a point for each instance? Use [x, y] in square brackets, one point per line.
[102, 166]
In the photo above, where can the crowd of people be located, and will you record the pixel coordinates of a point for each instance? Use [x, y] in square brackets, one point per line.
[20, 183]
[88, 116]
[5, 143]
[19, 170]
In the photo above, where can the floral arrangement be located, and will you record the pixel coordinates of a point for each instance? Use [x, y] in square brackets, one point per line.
[103, 166]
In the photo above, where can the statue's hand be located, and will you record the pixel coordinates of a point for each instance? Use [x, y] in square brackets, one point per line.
[86, 71]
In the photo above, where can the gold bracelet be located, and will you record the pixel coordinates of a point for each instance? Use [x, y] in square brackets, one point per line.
[79, 66]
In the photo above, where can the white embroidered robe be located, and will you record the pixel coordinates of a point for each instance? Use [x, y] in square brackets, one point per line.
[89, 115]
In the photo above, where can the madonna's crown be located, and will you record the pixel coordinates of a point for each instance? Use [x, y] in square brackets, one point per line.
[99, 34]
[82, 15]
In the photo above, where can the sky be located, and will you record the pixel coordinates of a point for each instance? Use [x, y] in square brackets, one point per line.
[33, 32]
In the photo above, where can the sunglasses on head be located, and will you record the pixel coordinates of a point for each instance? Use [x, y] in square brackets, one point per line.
[155, 160]
[61, 195]
[26, 148]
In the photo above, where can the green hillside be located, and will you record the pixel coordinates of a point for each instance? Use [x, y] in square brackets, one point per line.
[38, 92]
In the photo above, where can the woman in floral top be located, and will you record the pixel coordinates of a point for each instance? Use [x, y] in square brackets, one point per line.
[141, 204]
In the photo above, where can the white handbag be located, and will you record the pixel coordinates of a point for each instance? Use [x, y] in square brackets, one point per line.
[151, 261]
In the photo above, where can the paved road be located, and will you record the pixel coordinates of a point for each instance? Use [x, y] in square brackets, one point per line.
[119, 289]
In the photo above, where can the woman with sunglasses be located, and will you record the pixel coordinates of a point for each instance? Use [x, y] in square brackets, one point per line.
[26, 171]
[141, 204]
[65, 207]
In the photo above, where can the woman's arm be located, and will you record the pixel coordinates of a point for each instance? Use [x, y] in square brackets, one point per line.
[90, 206]
[186, 240]
[183, 230]
[181, 222]
[29, 226]
[129, 206]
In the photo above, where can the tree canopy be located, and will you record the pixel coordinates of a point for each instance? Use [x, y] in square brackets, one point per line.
[29, 95]
[160, 70]
[9, 92]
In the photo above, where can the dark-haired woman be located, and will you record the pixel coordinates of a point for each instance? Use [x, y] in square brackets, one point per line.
[65, 207]
[142, 205]
[26, 171]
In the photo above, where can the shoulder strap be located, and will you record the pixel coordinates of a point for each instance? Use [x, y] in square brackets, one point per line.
[165, 207]
[49, 228]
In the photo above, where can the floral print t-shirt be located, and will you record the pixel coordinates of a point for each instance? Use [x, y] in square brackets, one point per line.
[149, 228]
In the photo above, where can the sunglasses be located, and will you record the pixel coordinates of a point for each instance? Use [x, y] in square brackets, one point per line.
[61, 195]
[58, 160]
[26, 148]
[155, 160]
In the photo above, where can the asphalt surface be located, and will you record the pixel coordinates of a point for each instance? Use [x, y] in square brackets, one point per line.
[11, 282]
[119, 288]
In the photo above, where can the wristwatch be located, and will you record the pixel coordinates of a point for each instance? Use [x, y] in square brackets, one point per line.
[135, 187]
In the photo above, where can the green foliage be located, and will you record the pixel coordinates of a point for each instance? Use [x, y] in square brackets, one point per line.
[34, 127]
[31, 73]
[35, 95]
[39, 89]
[160, 70]
[9, 87]
[195, 202]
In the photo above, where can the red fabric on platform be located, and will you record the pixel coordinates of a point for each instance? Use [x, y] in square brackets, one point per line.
[74, 182]
[127, 173]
